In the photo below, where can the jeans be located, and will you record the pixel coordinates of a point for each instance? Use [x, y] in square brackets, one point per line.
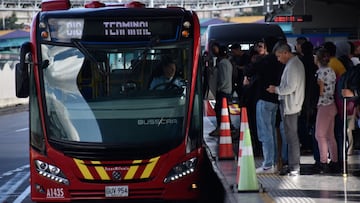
[265, 122]
[284, 146]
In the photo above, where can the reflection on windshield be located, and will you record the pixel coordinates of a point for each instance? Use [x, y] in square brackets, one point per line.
[110, 100]
[63, 98]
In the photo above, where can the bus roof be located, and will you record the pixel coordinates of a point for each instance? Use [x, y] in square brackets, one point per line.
[242, 33]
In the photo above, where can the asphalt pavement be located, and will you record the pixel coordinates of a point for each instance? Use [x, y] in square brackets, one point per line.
[14, 109]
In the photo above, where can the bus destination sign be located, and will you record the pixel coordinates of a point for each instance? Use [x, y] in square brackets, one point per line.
[128, 30]
[112, 30]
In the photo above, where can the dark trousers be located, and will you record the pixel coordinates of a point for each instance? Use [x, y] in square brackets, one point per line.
[218, 105]
[292, 138]
[339, 136]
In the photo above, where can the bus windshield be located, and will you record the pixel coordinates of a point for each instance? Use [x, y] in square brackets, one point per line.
[102, 94]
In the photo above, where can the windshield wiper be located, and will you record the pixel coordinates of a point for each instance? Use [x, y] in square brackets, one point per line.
[103, 68]
[153, 41]
[84, 50]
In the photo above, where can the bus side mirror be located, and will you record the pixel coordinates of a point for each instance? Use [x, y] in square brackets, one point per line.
[22, 72]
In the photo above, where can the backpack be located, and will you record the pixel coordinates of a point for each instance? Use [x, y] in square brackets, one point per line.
[348, 80]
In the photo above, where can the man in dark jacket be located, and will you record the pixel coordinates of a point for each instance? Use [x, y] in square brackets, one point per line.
[268, 71]
[308, 113]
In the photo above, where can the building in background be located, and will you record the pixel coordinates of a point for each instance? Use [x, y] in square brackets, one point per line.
[10, 42]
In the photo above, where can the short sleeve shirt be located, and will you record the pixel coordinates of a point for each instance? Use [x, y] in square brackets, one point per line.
[328, 76]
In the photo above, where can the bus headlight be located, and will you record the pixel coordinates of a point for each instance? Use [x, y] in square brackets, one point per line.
[51, 172]
[181, 170]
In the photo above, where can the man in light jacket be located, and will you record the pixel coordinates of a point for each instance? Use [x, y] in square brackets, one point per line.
[291, 93]
[224, 86]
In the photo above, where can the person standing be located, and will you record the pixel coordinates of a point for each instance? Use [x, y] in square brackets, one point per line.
[325, 118]
[268, 71]
[291, 93]
[299, 42]
[355, 52]
[238, 59]
[334, 62]
[307, 117]
[223, 86]
[339, 70]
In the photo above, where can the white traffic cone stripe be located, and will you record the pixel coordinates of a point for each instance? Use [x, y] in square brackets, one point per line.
[225, 140]
[246, 151]
[244, 126]
[225, 126]
[224, 112]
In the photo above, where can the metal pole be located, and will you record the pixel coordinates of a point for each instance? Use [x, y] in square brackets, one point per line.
[344, 138]
[3, 21]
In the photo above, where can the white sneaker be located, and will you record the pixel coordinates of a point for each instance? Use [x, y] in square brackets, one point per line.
[294, 173]
[271, 169]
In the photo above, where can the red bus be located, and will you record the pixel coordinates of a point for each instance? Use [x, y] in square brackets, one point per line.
[97, 131]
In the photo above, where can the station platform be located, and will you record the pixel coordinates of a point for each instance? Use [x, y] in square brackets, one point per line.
[304, 188]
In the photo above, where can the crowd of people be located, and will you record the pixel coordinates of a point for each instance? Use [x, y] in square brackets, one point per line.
[294, 99]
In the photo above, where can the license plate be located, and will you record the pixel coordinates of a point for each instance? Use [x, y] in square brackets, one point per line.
[116, 191]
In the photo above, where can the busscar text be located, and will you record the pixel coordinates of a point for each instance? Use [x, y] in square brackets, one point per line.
[160, 121]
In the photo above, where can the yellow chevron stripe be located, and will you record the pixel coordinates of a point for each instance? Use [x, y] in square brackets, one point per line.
[132, 170]
[83, 169]
[101, 171]
[149, 168]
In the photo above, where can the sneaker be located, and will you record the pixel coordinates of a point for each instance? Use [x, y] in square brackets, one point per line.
[215, 133]
[324, 168]
[294, 173]
[284, 170]
[316, 167]
[270, 169]
[334, 167]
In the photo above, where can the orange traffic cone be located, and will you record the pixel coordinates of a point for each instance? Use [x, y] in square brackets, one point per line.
[246, 171]
[225, 143]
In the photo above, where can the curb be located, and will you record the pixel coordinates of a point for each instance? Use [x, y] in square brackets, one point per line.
[228, 196]
[14, 108]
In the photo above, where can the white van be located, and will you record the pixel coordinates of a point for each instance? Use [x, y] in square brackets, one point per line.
[246, 34]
